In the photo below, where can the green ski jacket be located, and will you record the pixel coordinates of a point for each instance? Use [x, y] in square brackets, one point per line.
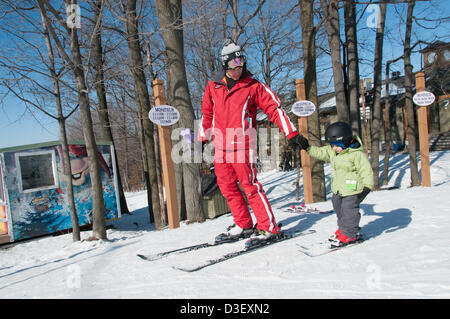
[351, 168]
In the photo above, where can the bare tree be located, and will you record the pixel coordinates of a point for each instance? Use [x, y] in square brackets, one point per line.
[331, 12]
[99, 84]
[137, 68]
[158, 168]
[352, 65]
[171, 21]
[202, 40]
[67, 170]
[131, 15]
[415, 181]
[310, 76]
[76, 64]
[240, 21]
[275, 35]
[376, 110]
[387, 131]
[54, 75]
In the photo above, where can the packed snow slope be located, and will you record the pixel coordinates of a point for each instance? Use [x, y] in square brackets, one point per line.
[406, 255]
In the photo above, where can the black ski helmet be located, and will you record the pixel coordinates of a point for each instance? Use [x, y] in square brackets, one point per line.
[230, 50]
[339, 132]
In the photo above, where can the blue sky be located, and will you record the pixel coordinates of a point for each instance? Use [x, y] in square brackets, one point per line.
[18, 127]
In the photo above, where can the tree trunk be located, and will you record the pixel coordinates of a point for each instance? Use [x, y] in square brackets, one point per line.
[67, 171]
[98, 214]
[144, 106]
[309, 58]
[387, 126]
[415, 181]
[170, 18]
[157, 148]
[376, 111]
[97, 57]
[76, 64]
[352, 65]
[331, 13]
[145, 168]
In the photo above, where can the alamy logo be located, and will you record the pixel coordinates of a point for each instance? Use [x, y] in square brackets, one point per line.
[73, 280]
[373, 280]
[73, 13]
[252, 142]
[374, 13]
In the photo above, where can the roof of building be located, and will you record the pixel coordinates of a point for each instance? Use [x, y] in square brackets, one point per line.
[44, 144]
[435, 45]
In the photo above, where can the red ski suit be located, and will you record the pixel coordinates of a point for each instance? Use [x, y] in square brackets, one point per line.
[229, 116]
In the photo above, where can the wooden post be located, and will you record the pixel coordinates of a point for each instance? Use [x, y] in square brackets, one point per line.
[306, 160]
[422, 118]
[166, 160]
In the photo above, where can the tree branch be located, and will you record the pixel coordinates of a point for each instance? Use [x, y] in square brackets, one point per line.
[5, 83]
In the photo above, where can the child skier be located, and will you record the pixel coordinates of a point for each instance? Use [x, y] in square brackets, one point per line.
[351, 179]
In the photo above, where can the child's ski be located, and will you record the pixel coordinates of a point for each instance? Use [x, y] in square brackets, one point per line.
[303, 209]
[311, 252]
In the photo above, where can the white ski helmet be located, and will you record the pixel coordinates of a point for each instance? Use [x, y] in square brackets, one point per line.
[230, 51]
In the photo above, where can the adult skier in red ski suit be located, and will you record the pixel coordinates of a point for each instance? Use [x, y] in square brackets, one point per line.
[229, 108]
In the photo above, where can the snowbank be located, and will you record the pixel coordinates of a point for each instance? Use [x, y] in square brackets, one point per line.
[407, 254]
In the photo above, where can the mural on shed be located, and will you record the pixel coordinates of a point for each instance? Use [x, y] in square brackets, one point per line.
[37, 187]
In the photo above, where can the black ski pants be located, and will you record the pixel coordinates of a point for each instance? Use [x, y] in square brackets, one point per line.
[347, 212]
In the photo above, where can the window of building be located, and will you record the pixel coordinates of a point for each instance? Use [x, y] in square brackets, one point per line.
[37, 171]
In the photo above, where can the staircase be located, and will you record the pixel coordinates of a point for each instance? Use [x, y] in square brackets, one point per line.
[439, 142]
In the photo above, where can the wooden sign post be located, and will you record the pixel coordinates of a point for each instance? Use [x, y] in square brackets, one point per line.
[422, 118]
[166, 159]
[306, 160]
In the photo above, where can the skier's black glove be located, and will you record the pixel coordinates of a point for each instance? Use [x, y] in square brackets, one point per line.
[363, 194]
[299, 141]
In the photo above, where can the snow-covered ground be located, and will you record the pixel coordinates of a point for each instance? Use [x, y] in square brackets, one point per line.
[407, 254]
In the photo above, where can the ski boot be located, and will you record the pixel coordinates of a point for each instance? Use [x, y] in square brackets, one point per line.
[234, 232]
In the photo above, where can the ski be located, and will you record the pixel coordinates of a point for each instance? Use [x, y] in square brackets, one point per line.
[303, 209]
[308, 251]
[153, 257]
[256, 245]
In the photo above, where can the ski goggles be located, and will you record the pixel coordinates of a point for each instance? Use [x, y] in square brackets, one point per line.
[337, 143]
[235, 63]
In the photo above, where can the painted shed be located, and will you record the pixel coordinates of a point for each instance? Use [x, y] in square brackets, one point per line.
[33, 188]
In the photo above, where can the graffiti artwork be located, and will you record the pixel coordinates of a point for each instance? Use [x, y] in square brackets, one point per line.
[36, 188]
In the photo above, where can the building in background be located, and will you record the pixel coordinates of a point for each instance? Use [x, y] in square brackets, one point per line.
[33, 189]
